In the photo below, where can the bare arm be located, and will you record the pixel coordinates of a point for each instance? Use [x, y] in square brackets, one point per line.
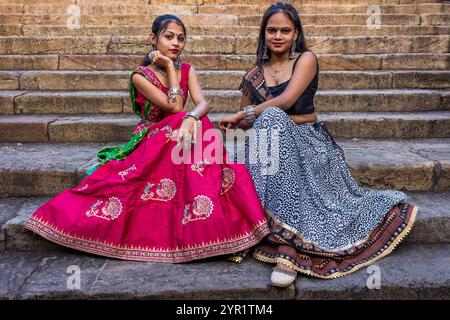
[201, 106]
[155, 95]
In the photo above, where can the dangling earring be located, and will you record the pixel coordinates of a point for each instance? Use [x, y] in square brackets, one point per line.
[265, 56]
[292, 50]
[151, 54]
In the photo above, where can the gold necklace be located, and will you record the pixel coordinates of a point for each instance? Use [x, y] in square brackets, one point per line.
[275, 73]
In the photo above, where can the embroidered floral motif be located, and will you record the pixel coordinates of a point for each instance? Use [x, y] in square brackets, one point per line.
[93, 211]
[199, 167]
[168, 129]
[168, 133]
[125, 172]
[165, 191]
[228, 177]
[110, 211]
[201, 209]
[231, 244]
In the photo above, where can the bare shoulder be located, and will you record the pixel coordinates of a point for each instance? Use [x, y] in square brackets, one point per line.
[308, 57]
[137, 77]
[307, 63]
[192, 69]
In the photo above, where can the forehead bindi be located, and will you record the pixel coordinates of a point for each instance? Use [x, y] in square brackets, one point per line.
[279, 20]
[175, 29]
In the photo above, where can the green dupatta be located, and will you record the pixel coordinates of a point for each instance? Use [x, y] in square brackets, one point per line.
[121, 152]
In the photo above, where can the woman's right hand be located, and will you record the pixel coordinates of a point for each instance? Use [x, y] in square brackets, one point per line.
[187, 134]
[161, 60]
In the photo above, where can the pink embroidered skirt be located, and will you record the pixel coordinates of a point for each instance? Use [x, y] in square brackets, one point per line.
[148, 208]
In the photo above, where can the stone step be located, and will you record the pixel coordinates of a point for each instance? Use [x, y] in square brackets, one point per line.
[62, 102]
[332, 62]
[356, 19]
[223, 2]
[268, 2]
[105, 128]
[221, 44]
[432, 224]
[412, 165]
[229, 19]
[135, 19]
[409, 273]
[83, 102]
[331, 8]
[212, 79]
[238, 9]
[30, 276]
[133, 30]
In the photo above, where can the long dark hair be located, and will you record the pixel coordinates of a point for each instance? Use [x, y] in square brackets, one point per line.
[160, 25]
[293, 15]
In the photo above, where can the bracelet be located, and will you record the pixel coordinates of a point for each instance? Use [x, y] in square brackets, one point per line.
[171, 95]
[249, 113]
[192, 114]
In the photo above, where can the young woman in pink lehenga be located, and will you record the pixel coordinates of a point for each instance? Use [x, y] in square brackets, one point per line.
[141, 202]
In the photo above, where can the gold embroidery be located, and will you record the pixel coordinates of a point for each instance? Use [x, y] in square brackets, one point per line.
[125, 172]
[201, 209]
[165, 191]
[232, 244]
[110, 211]
[228, 178]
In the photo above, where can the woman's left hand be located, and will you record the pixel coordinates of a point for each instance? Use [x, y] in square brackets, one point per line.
[187, 134]
[229, 122]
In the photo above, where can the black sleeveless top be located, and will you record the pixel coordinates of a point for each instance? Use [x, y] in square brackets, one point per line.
[305, 103]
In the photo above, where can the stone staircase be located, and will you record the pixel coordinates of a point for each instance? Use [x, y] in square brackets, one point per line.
[383, 93]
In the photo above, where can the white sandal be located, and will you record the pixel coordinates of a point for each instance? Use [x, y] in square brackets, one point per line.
[282, 278]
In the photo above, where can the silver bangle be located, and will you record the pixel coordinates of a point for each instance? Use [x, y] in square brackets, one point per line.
[249, 113]
[192, 114]
[171, 95]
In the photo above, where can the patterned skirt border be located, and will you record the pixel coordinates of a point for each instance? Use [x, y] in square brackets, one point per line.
[178, 255]
[261, 256]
